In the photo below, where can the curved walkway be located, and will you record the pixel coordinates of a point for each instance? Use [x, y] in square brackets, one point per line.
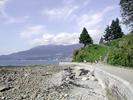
[124, 73]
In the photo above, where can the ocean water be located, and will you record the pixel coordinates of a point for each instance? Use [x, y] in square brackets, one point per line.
[26, 62]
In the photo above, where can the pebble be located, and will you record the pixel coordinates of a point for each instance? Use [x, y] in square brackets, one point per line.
[26, 74]
[3, 88]
[65, 95]
[85, 78]
[93, 78]
[26, 85]
[2, 98]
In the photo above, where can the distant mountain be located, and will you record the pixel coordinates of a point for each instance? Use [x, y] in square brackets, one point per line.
[44, 52]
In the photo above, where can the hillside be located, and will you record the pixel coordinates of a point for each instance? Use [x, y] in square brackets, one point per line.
[90, 53]
[121, 51]
[44, 52]
[116, 52]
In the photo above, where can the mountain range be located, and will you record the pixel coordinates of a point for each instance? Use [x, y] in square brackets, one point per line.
[43, 52]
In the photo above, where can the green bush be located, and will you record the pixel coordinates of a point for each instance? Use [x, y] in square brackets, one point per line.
[118, 57]
[75, 53]
[90, 53]
[121, 51]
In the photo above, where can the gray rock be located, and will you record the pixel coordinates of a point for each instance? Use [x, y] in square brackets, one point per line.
[2, 98]
[85, 78]
[4, 88]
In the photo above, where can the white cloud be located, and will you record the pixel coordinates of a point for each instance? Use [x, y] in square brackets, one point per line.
[37, 35]
[2, 7]
[67, 10]
[89, 20]
[7, 18]
[75, 2]
[33, 32]
[92, 21]
[59, 39]
[12, 20]
[86, 2]
[62, 12]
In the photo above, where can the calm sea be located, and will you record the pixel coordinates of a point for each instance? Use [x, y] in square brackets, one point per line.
[25, 62]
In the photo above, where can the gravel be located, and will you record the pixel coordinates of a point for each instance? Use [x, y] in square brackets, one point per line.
[49, 82]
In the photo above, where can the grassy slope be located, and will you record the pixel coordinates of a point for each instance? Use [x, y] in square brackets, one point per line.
[120, 52]
[90, 53]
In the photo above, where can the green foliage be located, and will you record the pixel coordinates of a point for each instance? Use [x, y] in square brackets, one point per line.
[121, 51]
[107, 35]
[75, 53]
[90, 53]
[114, 31]
[85, 38]
[127, 12]
[118, 57]
[113, 43]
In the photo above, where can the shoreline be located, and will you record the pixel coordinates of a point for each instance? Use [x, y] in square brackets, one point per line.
[49, 82]
[63, 80]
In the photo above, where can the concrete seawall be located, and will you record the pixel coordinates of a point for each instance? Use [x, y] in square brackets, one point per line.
[116, 88]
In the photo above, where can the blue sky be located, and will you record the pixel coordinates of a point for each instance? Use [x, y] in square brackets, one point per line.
[28, 23]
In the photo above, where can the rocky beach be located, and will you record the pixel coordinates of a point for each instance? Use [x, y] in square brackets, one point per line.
[49, 82]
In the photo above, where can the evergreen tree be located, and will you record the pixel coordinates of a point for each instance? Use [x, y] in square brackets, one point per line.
[85, 38]
[127, 12]
[107, 36]
[114, 31]
[101, 40]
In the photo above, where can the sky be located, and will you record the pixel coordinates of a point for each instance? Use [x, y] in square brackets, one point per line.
[28, 23]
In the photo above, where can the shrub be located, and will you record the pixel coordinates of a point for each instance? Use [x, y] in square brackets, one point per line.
[90, 53]
[118, 57]
[121, 51]
[75, 53]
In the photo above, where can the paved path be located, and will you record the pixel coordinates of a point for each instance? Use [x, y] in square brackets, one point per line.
[124, 73]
